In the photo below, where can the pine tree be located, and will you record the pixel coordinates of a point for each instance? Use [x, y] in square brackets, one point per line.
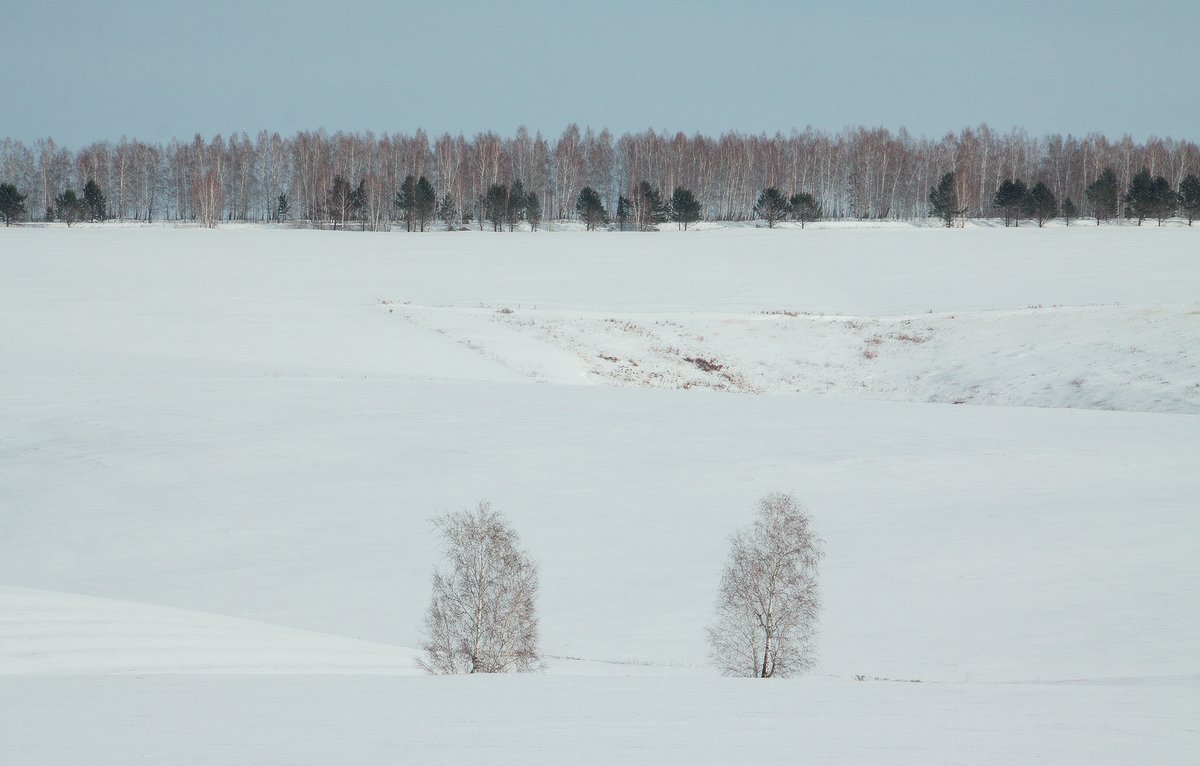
[93, 201]
[772, 206]
[358, 203]
[424, 203]
[12, 203]
[447, 214]
[515, 209]
[1040, 203]
[1069, 211]
[685, 208]
[1189, 197]
[495, 206]
[1103, 196]
[1149, 197]
[648, 207]
[943, 200]
[533, 211]
[406, 201]
[590, 208]
[339, 201]
[68, 207]
[624, 211]
[1163, 199]
[805, 208]
[1009, 198]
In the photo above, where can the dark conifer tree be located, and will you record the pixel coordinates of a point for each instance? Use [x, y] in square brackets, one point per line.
[685, 208]
[282, 207]
[68, 207]
[1103, 195]
[1149, 197]
[447, 214]
[805, 208]
[648, 206]
[93, 201]
[406, 201]
[514, 210]
[590, 208]
[1040, 204]
[624, 211]
[358, 203]
[495, 206]
[943, 200]
[1069, 211]
[12, 203]
[1189, 197]
[1163, 199]
[424, 203]
[533, 210]
[772, 206]
[1009, 198]
[339, 201]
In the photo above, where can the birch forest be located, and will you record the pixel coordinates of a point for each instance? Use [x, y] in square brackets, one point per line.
[856, 173]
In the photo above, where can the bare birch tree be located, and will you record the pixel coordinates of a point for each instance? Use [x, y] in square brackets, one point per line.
[768, 604]
[482, 617]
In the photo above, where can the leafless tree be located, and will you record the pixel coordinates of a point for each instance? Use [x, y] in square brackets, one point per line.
[768, 604]
[209, 199]
[482, 617]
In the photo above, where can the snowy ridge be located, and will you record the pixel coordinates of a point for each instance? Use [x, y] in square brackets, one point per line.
[58, 633]
[1101, 357]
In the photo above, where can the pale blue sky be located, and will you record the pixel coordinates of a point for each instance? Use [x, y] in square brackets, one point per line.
[154, 69]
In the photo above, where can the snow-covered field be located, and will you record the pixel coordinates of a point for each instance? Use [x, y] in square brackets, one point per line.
[219, 452]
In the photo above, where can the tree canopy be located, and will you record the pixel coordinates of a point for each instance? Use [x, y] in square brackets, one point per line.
[943, 200]
[772, 206]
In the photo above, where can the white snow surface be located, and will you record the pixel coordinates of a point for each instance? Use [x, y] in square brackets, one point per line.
[220, 451]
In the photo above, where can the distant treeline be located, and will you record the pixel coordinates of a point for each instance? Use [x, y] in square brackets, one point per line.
[340, 178]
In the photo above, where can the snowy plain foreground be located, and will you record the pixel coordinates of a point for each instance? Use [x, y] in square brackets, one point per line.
[220, 450]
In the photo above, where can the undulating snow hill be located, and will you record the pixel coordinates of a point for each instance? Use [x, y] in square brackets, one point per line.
[220, 450]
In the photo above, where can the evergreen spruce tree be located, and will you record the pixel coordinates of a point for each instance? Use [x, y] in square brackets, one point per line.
[514, 211]
[1040, 204]
[1069, 211]
[339, 201]
[1149, 197]
[1009, 198]
[358, 203]
[1189, 197]
[406, 201]
[447, 214]
[943, 200]
[1163, 199]
[590, 208]
[12, 203]
[1103, 196]
[424, 203]
[533, 210]
[685, 208]
[93, 201]
[281, 208]
[805, 208]
[772, 206]
[624, 211]
[648, 207]
[68, 207]
[495, 206]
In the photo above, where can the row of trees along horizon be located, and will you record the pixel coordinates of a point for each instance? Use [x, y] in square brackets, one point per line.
[375, 181]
